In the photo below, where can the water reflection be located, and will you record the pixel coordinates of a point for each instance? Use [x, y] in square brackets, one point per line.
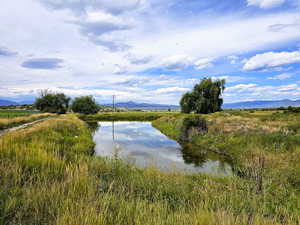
[141, 144]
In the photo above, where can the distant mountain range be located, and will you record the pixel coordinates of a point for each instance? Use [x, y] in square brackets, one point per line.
[7, 102]
[237, 105]
[261, 104]
[147, 106]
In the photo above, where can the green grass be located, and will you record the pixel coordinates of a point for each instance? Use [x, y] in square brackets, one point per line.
[49, 176]
[19, 118]
[9, 114]
[248, 139]
[126, 116]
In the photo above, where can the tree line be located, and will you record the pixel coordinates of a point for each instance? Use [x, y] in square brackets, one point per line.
[53, 102]
[204, 98]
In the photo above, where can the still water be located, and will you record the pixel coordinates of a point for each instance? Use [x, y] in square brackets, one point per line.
[142, 145]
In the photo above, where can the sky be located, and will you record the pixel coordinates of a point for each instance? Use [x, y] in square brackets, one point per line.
[149, 51]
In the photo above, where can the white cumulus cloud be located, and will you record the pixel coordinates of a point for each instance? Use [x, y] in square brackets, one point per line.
[177, 62]
[115, 6]
[240, 88]
[203, 63]
[170, 90]
[281, 76]
[271, 59]
[265, 4]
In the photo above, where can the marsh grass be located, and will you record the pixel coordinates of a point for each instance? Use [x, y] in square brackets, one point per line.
[49, 176]
[264, 148]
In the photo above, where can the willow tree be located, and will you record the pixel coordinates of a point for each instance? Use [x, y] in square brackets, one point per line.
[187, 102]
[204, 98]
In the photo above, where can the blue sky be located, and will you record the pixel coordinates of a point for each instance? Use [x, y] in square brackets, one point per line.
[149, 50]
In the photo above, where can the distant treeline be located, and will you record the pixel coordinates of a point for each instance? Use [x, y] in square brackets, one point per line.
[20, 107]
[286, 109]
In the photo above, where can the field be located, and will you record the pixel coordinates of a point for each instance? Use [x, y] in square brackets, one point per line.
[9, 114]
[126, 116]
[12, 118]
[48, 175]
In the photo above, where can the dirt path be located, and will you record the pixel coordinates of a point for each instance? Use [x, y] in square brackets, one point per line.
[2, 132]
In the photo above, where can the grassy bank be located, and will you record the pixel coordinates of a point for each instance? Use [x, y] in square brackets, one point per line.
[126, 116]
[14, 119]
[48, 176]
[264, 146]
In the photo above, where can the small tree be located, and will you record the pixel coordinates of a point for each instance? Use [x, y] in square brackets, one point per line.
[52, 102]
[85, 105]
[205, 97]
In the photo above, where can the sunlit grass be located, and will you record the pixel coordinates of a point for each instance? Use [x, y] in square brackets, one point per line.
[127, 116]
[19, 120]
[6, 114]
[49, 176]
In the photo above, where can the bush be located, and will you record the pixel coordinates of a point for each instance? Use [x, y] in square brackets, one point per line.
[192, 126]
[85, 105]
[52, 102]
[293, 109]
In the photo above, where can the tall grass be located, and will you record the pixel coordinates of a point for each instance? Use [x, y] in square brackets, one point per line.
[16, 120]
[49, 176]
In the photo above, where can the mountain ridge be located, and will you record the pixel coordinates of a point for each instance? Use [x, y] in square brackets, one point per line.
[135, 105]
[153, 106]
[262, 104]
[4, 102]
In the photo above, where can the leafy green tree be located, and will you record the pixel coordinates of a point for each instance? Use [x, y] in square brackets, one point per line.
[85, 105]
[187, 103]
[52, 102]
[205, 97]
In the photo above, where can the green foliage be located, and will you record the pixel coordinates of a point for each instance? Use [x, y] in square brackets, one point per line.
[293, 109]
[187, 103]
[52, 102]
[192, 126]
[205, 97]
[85, 105]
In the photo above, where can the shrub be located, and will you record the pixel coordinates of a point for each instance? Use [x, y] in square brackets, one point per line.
[52, 102]
[85, 105]
[192, 126]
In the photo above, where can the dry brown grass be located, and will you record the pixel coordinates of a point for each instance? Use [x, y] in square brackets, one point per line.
[8, 123]
[239, 124]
